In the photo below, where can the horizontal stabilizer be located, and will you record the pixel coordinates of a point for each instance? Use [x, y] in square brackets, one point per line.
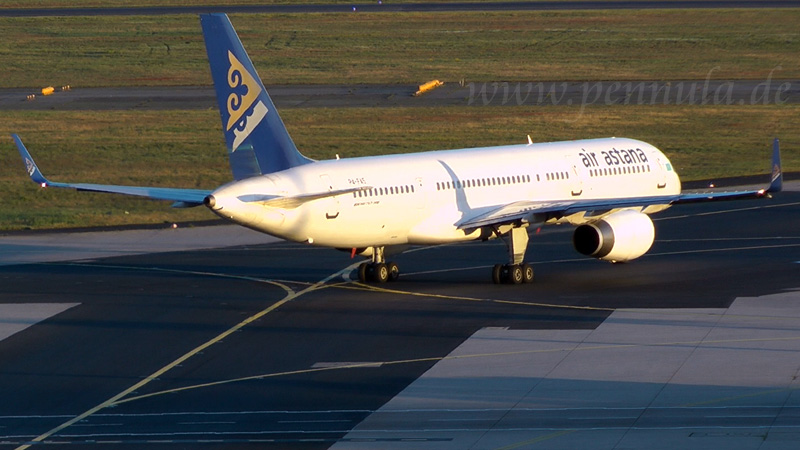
[182, 197]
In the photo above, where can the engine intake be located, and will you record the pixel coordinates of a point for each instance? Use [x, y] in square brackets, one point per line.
[618, 237]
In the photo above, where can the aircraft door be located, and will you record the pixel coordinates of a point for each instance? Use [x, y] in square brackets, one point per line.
[662, 174]
[331, 203]
[419, 193]
[575, 180]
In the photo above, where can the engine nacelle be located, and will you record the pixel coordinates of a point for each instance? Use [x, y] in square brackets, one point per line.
[618, 237]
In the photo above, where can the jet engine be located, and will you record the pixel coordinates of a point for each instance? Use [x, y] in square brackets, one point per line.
[618, 237]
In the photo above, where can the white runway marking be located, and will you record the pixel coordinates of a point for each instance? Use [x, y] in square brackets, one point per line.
[15, 317]
[325, 365]
[53, 247]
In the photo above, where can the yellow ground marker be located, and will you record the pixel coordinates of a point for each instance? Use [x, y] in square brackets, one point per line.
[430, 85]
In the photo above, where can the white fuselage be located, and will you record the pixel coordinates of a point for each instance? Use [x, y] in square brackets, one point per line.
[419, 198]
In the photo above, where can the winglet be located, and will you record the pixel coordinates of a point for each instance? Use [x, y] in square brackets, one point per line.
[30, 165]
[776, 184]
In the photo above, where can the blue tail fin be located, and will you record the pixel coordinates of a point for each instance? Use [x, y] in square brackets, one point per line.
[257, 140]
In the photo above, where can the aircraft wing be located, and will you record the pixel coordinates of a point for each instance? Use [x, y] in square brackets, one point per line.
[775, 185]
[524, 211]
[181, 197]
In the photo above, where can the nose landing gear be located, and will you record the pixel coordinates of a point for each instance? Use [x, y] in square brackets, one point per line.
[378, 272]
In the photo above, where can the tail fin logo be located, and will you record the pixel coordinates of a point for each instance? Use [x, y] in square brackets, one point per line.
[30, 167]
[240, 103]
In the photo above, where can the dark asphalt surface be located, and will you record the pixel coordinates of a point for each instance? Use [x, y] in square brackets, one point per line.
[139, 314]
[388, 6]
[573, 94]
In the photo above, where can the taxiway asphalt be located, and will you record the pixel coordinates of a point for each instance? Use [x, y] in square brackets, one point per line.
[476, 94]
[274, 345]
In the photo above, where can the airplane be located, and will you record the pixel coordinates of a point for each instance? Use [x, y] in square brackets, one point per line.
[377, 206]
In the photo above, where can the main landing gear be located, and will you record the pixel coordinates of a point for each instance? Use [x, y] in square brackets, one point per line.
[517, 271]
[512, 273]
[378, 270]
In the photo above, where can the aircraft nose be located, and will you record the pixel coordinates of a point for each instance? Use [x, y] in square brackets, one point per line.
[210, 201]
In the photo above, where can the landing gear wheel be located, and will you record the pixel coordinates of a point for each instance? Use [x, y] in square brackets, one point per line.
[527, 273]
[512, 273]
[497, 273]
[363, 270]
[381, 273]
[394, 271]
[515, 274]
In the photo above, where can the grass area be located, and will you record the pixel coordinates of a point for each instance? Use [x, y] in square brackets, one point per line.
[185, 148]
[410, 47]
[140, 3]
